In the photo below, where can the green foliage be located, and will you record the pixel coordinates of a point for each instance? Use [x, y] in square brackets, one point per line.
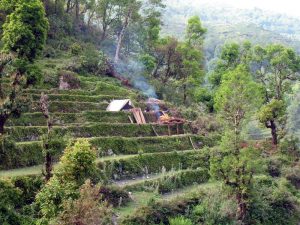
[215, 208]
[33, 75]
[160, 211]
[232, 55]
[9, 197]
[180, 221]
[94, 130]
[76, 165]
[271, 111]
[51, 196]
[237, 97]
[78, 162]
[86, 209]
[273, 202]
[172, 181]
[25, 29]
[75, 49]
[93, 61]
[154, 163]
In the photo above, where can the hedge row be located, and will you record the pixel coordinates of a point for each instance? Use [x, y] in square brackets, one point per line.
[37, 119]
[97, 88]
[159, 212]
[96, 130]
[124, 146]
[77, 98]
[171, 181]
[69, 106]
[21, 156]
[153, 163]
[30, 153]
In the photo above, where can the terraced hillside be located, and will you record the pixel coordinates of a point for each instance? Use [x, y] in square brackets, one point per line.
[142, 159]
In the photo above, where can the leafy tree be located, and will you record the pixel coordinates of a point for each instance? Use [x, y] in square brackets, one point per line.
[234, 164]
[276, 68]
[76, 165]
[231, 56]
[25, 29]
[192, 56]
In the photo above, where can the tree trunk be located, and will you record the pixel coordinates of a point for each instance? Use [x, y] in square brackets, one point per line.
[77, 10]
[242, 207]
[2, 122]
[68, 6]
[48, 166]
[121, 35]
[103, 35]
[274, 132]
[184, 94]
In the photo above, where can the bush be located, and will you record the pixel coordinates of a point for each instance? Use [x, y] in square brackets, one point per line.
[93, 61]
[114, 195]
[180, 221]
[215, 208]
[33, 75]
[273, 202]
[160, 212]
[75, 49]
[70, 79]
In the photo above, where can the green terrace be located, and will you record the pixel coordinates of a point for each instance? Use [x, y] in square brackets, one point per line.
[69, 106]
[94, 88]
[130, 166]
[166, 182]
[77, 98]
[37, 119]
[31, 153]
[33, 133]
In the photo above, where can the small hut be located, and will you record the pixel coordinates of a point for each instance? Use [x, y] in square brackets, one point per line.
[120, 105]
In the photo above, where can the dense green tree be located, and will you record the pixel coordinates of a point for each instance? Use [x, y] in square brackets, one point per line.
[235, 164]
[276, 69]
[25, 29]
[231, 56]
[76, 165]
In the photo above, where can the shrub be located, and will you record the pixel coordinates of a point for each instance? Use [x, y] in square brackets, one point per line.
[87, 209]
[33, 75]
[70, 79]
[160, 212]
[114, 195]
[180, 221]
[75, 49]
[93, 61]
[215, 208]
[273, 202]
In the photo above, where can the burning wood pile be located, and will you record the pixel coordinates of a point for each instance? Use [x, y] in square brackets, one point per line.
[166, 119]
[159, 109]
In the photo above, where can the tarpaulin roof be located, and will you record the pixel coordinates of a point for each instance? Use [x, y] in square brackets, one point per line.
[118, 105]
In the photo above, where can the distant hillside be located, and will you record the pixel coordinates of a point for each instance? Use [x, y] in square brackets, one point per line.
[226, 23]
